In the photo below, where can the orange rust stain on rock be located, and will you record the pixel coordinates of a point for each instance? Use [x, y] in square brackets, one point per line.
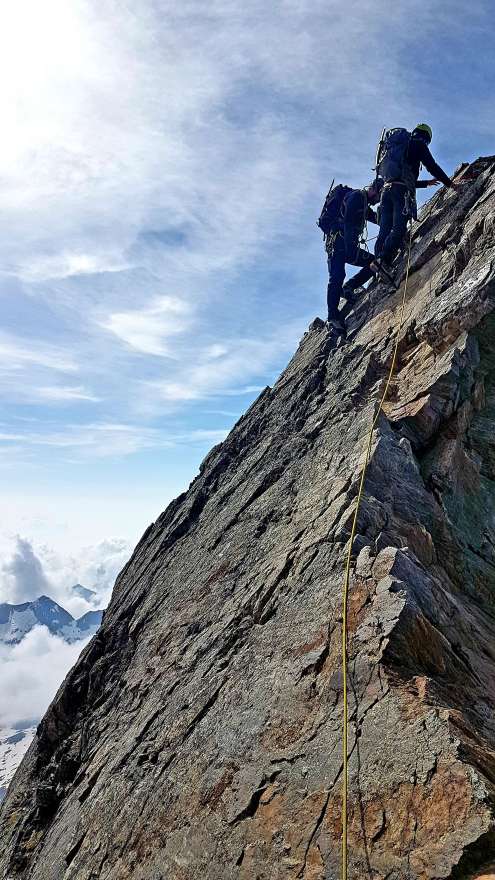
[415, 699]
[284, 828]
[358, 597]
[265, 828]
[319, 640]
[315, 868]
[218, 574]
[478, 751]
[419, 541]
[282, 734]
[407, 823]
[213, 796]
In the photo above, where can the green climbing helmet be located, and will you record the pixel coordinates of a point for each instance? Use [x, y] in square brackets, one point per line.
[423, 126]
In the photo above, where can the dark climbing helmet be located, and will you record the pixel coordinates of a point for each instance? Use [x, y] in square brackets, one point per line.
[424, 130]
[376, 184]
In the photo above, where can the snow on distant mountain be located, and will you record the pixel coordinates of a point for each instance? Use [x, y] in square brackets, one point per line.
[14, 743]
[83, 592]
[89, 623]
[17, 620]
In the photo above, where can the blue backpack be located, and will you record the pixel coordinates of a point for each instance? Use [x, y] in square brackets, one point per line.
[330, 219]
[391, 157]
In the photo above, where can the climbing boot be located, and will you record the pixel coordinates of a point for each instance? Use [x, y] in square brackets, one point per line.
[352, 294]
[336, 323]
[383, 272]
[348, 293]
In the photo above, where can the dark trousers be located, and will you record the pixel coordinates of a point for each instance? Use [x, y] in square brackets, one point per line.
[394, 214]
[360, 278]
[342, 249]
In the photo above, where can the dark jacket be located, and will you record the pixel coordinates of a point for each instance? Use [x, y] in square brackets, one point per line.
[419, 154]
[356, 211]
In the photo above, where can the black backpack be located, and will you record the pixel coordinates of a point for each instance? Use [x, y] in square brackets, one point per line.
[332, 212]
[391, 158]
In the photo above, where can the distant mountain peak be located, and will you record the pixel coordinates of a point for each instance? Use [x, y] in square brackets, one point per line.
[83, 592]
[16, 621]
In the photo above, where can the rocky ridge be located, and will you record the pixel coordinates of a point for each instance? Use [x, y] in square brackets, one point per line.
[199, 735]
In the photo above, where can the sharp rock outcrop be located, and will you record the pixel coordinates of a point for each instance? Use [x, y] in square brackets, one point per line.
[199, 735]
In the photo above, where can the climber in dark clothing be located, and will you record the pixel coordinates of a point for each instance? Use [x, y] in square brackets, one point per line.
[398, 201]
[342, 244]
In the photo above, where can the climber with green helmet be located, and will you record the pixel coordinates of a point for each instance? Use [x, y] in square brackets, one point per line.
[399, 159]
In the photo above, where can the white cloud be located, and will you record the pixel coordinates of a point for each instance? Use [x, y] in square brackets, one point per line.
[31, 672]
[67, 265]
[224, 368]
[29, 570]
[16, 354]
[30, 371]
[146, 132]
[66, 392]
[99, 440]
[93, 440]
[21, 576]
[95, 566]
[216, 351]
[67, 521]
[147, 330]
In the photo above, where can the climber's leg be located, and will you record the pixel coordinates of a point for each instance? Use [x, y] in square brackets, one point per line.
[359, 278]
[336, 274]
[386, 220]
[397, 217]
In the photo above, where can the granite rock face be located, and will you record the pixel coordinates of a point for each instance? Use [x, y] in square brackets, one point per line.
[199, 735]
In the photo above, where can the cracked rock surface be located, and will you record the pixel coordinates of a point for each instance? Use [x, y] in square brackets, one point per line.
[199, 735]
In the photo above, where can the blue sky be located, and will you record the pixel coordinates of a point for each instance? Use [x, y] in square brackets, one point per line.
[162, 166]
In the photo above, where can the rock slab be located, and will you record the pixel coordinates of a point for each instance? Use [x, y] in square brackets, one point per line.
[199, 735]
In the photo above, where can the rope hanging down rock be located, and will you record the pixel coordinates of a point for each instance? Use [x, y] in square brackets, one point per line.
[345, 592]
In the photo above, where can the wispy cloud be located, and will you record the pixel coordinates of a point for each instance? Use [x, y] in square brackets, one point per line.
[65, 264]
[147, 330]
[103, 440]
[17, 353]
[229, 368]
[67, 393]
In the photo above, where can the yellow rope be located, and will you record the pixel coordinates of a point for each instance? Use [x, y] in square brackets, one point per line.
[345, 596]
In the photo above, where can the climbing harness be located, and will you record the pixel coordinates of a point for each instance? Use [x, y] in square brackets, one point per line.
[330, 240]
[345, 592]
[410, 206]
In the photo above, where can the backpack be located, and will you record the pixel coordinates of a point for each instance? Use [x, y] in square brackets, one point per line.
[391, 157]
[332, 212]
